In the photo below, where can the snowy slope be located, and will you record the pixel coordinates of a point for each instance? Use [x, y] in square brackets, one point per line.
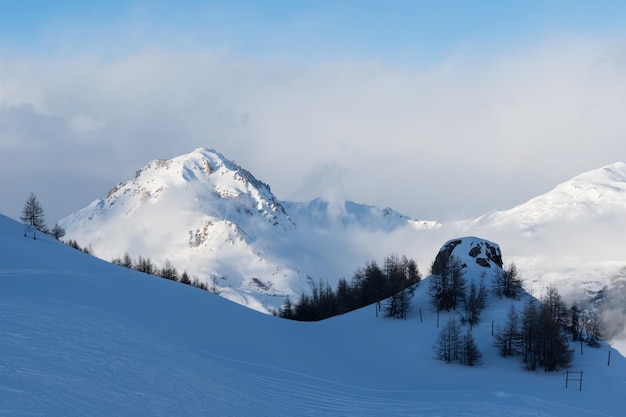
[81, 337]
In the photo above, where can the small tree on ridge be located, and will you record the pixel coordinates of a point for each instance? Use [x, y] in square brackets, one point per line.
[32, 215]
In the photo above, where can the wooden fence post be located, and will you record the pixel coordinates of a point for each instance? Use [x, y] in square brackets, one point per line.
[580, 379]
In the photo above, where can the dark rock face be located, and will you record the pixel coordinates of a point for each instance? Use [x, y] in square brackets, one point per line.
[444, 254]
[483, 262]
[484, 252]
[494, 254]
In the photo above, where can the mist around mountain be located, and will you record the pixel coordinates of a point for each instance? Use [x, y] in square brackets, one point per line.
[215, 220]
[80, 336]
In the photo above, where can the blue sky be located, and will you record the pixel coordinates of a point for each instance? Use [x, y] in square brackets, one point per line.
[387, 103]
[401, 31]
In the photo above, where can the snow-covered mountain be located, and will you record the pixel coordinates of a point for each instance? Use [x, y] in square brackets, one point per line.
[80, 336]
[215, 219]
[204, 214]
[572, 236]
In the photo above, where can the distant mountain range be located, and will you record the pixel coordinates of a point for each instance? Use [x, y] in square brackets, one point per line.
[214, 219]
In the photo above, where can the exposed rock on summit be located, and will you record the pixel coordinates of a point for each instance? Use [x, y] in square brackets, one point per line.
[483, 252]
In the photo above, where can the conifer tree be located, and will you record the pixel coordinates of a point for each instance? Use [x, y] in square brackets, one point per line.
[127, 261]
[214, 285]
[470, 355]
[184, 278]
[448, 345]
[507, 283]
[447, 284]
[286, 311]
[508, 338]
[32, 215]
[530, 334]
[57, 231]
[474, 303]
[554, 347]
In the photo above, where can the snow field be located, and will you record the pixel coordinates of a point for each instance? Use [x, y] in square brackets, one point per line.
[81, 337]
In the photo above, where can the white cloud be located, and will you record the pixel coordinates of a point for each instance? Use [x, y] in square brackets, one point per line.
[459, 138]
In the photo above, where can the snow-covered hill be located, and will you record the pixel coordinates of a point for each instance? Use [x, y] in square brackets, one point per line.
[82, 337]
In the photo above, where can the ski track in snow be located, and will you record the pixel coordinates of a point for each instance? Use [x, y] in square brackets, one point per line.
[334, 398]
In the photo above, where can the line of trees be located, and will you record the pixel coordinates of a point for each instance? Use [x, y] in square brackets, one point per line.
[74, 244]
[145, 265]
[394, 283]
[539, 333]
[167, 271]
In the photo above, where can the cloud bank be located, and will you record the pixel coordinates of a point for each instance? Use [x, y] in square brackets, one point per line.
[454, 139]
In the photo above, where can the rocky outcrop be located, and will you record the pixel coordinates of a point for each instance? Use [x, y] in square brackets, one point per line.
[471, 251]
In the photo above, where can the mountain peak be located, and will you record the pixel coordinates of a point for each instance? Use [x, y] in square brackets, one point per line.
[619, 167]
[193, 166]
[608, 174]
[212, 175]
[211, 159]
[588, 195]
[590, 191]
[198, 205]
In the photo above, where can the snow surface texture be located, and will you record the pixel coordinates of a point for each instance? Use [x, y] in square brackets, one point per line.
[82, 337]
[215, 219]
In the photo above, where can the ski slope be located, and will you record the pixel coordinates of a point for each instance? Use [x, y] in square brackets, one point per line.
[81, 337]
